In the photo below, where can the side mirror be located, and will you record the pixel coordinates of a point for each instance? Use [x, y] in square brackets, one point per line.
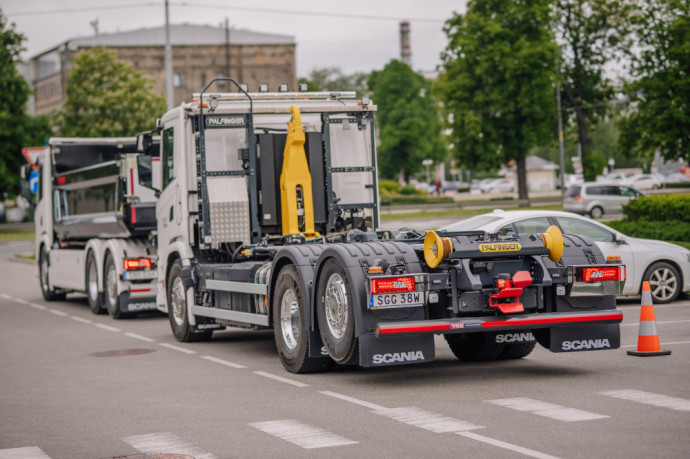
[145, 170]
[620, 239]
[145, 142]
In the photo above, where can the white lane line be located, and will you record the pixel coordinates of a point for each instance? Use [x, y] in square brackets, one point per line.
[649, 398]
[301, 434]
[5, 296]
[165, 442]
[227, 363]
[81, 319]
[508, 446]
[30, 452]
[20, 300]
[58, 312]
[40, 307]
[281, 379]
[140, 337]
[549, 410]
[427, 420]
[662, 344]
[177, 348]
[356, 401]
[108, 327]
[664, 322]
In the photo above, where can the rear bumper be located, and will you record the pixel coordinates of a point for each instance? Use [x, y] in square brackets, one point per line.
[483, 324]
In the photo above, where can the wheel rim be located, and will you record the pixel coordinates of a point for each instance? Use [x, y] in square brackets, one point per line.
[93, 281]
[44, 272]
[111, 287]
[289, 318]
[596, 213]
[336, 305]
[663, 284]
[178, 299]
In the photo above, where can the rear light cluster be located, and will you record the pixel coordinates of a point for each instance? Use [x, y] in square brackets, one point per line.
[577, 198]
[392, 284]
[137, 263]
[602, 273]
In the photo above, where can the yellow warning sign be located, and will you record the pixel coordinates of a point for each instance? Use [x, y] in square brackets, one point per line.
[500, 247]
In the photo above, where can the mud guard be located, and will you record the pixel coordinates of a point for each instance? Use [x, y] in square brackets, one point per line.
[578, 338]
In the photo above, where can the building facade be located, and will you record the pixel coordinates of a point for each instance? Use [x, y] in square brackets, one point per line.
[199, 54]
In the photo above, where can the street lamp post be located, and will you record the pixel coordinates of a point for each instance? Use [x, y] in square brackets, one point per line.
[428, 163]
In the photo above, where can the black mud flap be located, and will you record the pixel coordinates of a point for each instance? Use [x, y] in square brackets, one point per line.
[580, 338]
[510, 337]
[316, 347]
[395, 350]
[138, 304]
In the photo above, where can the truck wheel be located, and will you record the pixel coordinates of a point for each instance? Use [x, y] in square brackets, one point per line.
[290, 325]
[335, 313]
[111, 297]
[177, 308]
[474, 347]
[513, 351]
[48, 293]
[92, 285]
[664, 282]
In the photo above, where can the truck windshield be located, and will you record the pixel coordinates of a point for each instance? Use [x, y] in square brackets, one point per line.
[223, 149]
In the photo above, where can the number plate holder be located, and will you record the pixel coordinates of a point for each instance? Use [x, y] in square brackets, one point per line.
[397, 300]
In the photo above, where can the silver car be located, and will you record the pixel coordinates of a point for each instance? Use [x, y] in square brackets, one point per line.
[598, 198]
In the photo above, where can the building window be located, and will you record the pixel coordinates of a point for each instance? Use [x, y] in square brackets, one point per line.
[180, 80]
[203, 79]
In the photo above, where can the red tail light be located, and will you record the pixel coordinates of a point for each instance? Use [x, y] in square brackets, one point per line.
[392, 285]
[609, 273]
[578, 198]
[137, 263]
[61, 180]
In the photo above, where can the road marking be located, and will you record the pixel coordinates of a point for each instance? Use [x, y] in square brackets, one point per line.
[81, 319]
[649, 398]
[281, 379]
[549, 410]
[108, 327]
[427, 420]
[356, 401]
[301, 434]
[5, 296]
[662, 344]
[222, 362]
[38, 306]
[177, 348]
[165, 442]
[58, 312]
[658, 323]
[20, 301]
[139, 337]
[30, 452]
[504, 445]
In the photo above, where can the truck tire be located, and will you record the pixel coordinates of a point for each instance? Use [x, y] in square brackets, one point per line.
[176, 292]
[474, 347]
[48, 293]
[664, 282]
[91, 282]
[290, 325]
[513, 351]
[110, 295]
[335, 313]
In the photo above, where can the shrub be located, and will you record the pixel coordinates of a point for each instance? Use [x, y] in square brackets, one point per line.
[661, 230]
[392, 200]
[659, 208]
[410, 190]
[388, 186]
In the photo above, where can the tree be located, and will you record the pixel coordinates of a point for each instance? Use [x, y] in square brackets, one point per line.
[17, 128]
[497, 82]
[593, 34]
[408, 120]
[659, 117]
[333, 79]
[107, 98]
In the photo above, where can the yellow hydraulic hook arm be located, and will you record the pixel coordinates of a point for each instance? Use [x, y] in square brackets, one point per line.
[297, 207]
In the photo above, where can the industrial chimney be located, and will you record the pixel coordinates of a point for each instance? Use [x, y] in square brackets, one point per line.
[405, 53]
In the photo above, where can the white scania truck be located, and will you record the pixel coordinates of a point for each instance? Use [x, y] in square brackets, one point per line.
[268, 218]
[95, 223]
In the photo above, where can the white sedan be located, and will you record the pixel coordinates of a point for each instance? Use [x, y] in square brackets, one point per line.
[666, 266]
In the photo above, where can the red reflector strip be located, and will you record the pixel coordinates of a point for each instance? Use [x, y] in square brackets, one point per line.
[61, 180]
[411, 329]
[137, 263]
[552, 320]
[131, 181]
[392, 285]
[612, 273]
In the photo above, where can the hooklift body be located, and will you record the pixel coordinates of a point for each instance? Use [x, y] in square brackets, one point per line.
[268, 218]
[94, 224]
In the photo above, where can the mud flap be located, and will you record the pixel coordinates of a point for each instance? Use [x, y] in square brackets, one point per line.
[395, 350]
[316, 347]
[580, 338]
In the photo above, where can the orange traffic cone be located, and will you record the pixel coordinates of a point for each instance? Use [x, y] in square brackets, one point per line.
[648, 340]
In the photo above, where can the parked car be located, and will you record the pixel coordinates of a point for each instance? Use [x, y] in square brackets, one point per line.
[665, 266]
[499, 185]
[598, 198]
[676, 177]
[644, 182]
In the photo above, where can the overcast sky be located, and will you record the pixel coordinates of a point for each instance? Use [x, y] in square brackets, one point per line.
[355, 35]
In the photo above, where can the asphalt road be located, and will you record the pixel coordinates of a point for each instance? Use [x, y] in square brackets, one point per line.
[75, 385]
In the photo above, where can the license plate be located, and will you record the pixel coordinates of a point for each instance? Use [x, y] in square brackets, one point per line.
[396, 300]
[138, 275]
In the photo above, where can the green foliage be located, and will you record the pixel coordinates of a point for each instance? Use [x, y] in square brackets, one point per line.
[333, 79]
[17, 128]
[660, 208]
[660, 90]
[497, 83]
[411, 190]
[408, 120]
[674, 230]
[392, 200]
[388, 186]
[107, 98]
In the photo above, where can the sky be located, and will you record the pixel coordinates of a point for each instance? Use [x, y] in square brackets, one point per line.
[354, 35]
